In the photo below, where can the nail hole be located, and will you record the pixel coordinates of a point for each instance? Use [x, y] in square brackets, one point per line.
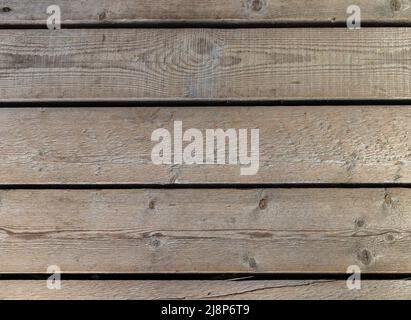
[365, 257]
[360, 223]
[257, 5]
[252, 263]
[263, 204]
[395, 5]
[390, 237]
[387, 199]
[155, 243]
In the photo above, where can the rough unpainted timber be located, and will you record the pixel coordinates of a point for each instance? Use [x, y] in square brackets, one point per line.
[205, 230]
[97, 12]
[210, 64]
[316, 144]
[215, 290]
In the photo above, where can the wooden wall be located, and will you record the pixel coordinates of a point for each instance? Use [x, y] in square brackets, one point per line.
[78, 188]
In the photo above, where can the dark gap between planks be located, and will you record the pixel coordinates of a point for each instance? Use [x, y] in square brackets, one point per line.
[206, 277]
[119, 186]
[208, 24]
[197, 103]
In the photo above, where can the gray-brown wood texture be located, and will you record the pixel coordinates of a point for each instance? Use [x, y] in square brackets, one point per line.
[205, 230]
[299, 144]
[204, 64]
[18, 12]
[199, 290]
[144, 223]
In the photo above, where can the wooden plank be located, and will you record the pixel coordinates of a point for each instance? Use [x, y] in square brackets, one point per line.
[307, 144]
[206, 290]
[205, 230]
[195, 64]
[17, 12]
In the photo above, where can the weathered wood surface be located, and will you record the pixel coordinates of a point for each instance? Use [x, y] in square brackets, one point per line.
[17, 12]
[205, 290]
[315, 144]
[195, 64]
[205, 230]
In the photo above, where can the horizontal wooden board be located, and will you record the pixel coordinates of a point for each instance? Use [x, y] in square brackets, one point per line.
[315, 144]
[205, 290]
[211, 64]
[205, 230]
[17, 12]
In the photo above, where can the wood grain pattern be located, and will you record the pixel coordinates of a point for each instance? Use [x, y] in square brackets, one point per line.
[316, 144]
[205, 290]
[17, 12]
[195, 64]
[205, 230]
